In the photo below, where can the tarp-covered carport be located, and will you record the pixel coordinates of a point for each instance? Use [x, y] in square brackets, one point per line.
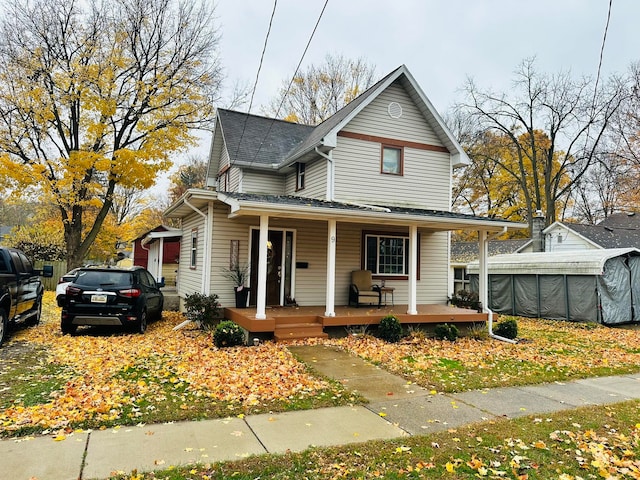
[600, 286]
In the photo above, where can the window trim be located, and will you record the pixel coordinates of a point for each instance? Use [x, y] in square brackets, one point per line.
[301, 169]
[398, 148]
[465, 281]
[193, 250]
[396, 234]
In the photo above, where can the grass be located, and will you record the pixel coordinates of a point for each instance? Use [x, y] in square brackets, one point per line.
[589, 442]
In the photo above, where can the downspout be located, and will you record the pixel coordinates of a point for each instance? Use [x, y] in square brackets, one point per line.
[330, 175]
[206, 257]
[484, 256]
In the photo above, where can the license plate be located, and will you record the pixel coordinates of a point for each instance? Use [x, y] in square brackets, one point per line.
[98, 299]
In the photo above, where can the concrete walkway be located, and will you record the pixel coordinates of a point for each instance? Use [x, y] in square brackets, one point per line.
[407, 408]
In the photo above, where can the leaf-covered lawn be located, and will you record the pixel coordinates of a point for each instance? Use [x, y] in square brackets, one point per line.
[549, 351]
[106, 377]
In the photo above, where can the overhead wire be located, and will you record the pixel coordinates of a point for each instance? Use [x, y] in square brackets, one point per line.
[293, 77]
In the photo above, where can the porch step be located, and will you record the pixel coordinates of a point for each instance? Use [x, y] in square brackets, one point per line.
[296, 331]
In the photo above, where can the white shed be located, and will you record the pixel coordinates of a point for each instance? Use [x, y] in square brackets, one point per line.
[589, 285]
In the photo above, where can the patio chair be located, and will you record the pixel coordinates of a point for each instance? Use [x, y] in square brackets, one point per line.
[362, 290]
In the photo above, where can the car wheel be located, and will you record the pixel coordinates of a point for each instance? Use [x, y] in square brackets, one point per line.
[35, 319]
[68, 328]
[4, 324]
[141, 325]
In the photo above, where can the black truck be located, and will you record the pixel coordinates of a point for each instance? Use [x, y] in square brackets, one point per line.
[20, 289]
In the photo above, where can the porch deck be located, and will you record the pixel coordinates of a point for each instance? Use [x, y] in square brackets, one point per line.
[300, 322]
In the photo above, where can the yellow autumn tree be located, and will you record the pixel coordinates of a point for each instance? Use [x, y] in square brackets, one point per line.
[321, 90]
[95, 96]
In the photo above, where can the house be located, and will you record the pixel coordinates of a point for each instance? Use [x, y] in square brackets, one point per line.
[158, 250]
[463, 253]
[620, 230]
[305, 206]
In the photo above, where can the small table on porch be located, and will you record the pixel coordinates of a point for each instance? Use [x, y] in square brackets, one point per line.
[384, 291]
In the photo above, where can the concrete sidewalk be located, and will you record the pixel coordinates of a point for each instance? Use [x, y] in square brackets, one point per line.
[408, 410]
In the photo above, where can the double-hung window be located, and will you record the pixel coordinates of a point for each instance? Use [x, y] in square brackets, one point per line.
[387, 254]
[300, 173]
[460, 279]
[194, 249]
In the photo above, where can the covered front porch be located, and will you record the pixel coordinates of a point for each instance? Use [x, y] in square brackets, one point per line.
[290, 323]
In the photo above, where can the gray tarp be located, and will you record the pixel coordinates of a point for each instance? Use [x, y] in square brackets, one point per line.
[634, 266]
[553, 295]
[615, 292]
[583, 303]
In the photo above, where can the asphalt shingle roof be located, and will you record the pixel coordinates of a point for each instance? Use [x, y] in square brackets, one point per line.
[608, 237]
[466, 252]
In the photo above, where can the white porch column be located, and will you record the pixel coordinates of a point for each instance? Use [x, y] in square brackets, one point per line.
[160, 259]
[261, 298]
[483, 277]
[413, 270]
[330, 301]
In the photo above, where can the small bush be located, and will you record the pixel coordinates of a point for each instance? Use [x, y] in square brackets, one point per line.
[478, 331]
[228, 334]
[465, 299]
[507, 328]
[202, 309]
[444, 331]
[390, 329]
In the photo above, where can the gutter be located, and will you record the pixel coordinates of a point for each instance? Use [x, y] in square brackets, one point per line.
[487, 309]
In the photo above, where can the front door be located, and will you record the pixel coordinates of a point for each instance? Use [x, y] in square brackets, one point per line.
[274, 267]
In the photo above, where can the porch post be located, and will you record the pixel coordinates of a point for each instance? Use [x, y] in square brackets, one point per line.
[160, 260]
[330, 302]
[413, 269]
[261, 298]
[483, 271]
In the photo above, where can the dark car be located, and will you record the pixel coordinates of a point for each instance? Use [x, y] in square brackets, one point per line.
[112, 296]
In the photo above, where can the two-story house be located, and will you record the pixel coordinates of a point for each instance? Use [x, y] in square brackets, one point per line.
[305, 206]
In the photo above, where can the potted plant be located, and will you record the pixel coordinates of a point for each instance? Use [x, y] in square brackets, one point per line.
[238, 275]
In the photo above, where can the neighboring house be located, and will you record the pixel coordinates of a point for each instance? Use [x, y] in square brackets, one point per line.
[304, 206]
[463, 253]
[158, 250]
[620, 230]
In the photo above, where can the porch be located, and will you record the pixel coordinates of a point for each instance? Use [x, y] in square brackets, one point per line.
[289, 323]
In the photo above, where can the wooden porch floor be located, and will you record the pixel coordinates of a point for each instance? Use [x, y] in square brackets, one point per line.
[305, 318]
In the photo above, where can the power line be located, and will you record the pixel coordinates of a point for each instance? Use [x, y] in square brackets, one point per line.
[604, 39]
[292, 79]
[255, 84]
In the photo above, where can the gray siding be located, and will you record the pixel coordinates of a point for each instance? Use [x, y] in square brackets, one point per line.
[426, 179]
[315, 181]
[425, 182]
[258, 182]
[570, 241]
[189, 279]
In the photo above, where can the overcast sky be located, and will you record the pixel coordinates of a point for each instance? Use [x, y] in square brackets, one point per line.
[442, 42]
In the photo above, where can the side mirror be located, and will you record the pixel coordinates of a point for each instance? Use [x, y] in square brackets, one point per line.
[160, 282]
[47, 271]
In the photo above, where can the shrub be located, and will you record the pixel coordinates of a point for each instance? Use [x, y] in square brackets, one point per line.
[202, 309]
[478, 331]
[465, 299]
[507, 328]
[228, 334]
[444, 331]
[390, 329]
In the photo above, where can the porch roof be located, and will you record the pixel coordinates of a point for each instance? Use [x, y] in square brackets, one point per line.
[288, 206]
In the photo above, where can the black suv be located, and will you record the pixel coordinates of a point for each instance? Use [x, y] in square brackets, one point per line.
[112, 296]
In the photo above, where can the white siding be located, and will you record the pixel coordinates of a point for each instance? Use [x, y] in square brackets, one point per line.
[258, 182]
[235, 176]
[426, 179]
[570, 241]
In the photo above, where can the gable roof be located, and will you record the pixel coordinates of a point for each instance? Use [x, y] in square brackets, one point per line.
[267, 141]
[466, 252]
[263, 141]
[603, 235]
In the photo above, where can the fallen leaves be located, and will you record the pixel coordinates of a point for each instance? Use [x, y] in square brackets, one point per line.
[117, 377]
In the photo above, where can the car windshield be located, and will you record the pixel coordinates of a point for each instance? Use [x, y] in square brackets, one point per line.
[101, 278]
